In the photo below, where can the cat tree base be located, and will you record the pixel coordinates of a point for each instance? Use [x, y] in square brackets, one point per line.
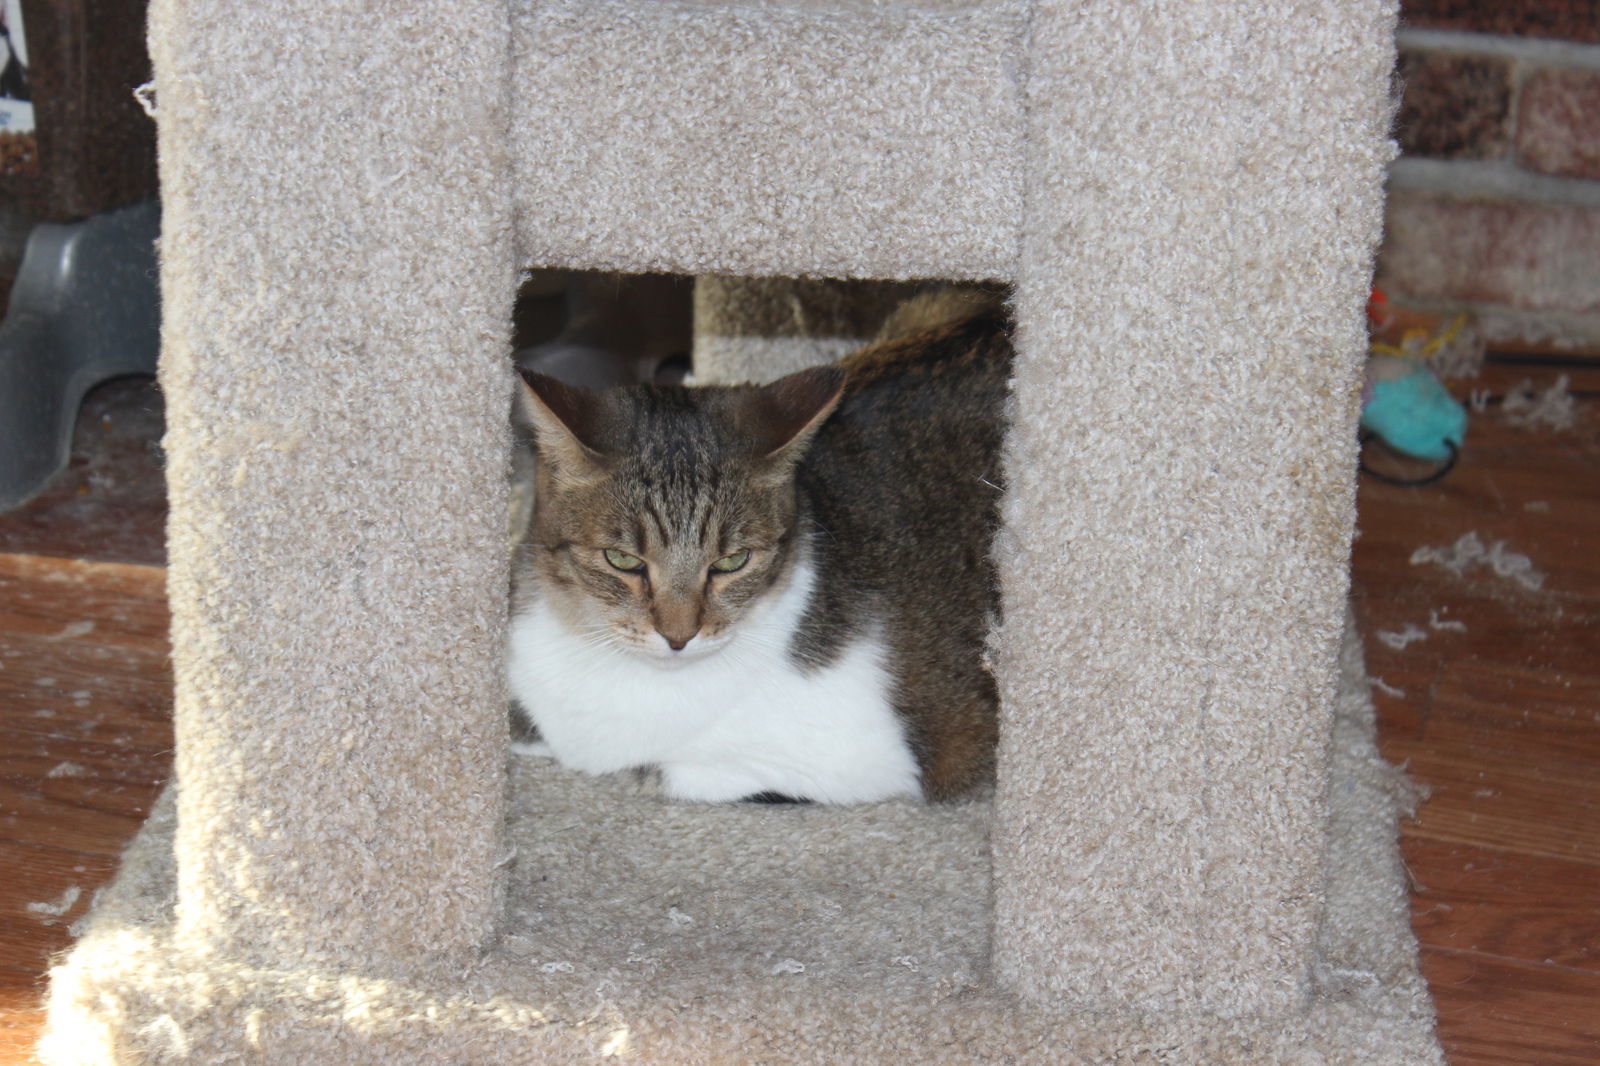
[1187, 198]
[732, 934]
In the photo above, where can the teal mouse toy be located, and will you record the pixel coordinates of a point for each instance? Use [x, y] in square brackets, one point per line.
[1405, 406]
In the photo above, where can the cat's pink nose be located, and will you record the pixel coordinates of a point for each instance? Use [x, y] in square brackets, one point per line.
[678, 640]
[677, 619]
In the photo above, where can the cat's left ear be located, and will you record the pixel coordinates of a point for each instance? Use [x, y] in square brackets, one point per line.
[788, 411]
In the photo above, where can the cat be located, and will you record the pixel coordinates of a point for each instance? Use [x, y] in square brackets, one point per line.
[771, 592]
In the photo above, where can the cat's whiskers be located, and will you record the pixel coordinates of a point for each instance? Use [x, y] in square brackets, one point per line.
[596, 651]
[745, 653]
[755, 639]
[609, 635]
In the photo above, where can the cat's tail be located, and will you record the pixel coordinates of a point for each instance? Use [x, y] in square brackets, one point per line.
[940, 306]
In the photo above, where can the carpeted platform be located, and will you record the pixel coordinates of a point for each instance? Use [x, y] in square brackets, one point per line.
[746, 933]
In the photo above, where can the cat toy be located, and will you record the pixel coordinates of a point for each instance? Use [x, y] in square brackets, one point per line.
[1404, 404]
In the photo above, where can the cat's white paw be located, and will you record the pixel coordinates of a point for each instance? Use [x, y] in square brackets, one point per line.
[536, 748]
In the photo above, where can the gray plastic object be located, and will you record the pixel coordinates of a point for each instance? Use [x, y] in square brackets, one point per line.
[85, 308]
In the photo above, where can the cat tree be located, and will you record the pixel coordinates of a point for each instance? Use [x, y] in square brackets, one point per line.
[1189, 854]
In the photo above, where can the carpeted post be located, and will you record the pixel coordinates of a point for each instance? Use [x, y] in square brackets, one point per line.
[338, 273]
[1202, 202]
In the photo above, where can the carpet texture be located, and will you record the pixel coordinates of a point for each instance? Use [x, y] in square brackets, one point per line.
[1186, 198]
[669, 933]
[832, 138]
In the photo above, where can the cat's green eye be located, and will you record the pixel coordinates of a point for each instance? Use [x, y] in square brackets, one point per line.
[729, 563]
[623, 561]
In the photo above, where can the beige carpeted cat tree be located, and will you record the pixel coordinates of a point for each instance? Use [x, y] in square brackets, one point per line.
[1189, 856]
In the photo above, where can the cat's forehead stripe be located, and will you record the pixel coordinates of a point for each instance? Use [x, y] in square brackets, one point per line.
[703, 525]
[662, 532]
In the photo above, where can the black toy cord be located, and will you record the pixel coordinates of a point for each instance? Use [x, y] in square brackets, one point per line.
[1410, 483]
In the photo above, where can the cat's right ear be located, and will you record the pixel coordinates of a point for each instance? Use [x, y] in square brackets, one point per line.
[565, 421]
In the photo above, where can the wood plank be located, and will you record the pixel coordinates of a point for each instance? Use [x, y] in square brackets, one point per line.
[1475, 799]
[84, 651]
[1503, 903]
[1526, 716]
[1553, 540]
[1503, 372]
[124, 532]
[21, 1016]
[97, 693]
[1402, 689]
[75, 601]
[45, 890]
[75, 795]
[1555, 543]
[133, 579]
[1560, 645]
[1570, 570]
[1493, 1012]
[1502, 626]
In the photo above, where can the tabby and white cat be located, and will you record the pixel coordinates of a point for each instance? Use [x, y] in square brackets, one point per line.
[775, 591]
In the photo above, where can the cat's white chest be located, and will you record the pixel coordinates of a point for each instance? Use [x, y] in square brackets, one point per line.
[740, 721]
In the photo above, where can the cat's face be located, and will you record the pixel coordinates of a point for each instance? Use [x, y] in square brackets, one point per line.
[664, 517]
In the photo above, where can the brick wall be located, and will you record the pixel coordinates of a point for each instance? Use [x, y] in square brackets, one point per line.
[1494, 205]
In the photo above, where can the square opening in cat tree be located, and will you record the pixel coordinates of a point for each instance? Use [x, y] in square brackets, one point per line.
[816, 905]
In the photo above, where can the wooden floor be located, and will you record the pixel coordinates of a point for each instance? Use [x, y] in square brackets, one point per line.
[1489, 692]
[1495, 710]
